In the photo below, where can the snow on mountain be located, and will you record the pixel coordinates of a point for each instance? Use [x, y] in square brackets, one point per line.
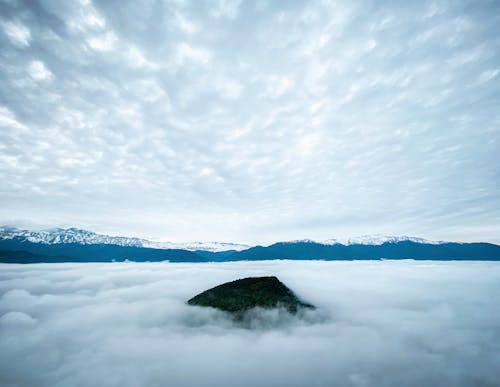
[300, 241]
[193, 246]
[376, 240]
[373, 240]
[75, 235]
[67, 235]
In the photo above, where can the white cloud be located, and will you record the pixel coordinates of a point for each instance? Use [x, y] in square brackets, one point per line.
[136, 59]
[39, 71]
[187, 26]
[148, 90]
[319, 118]
[129, 324]
[8, 119]
[226, 8]
[307, 143]
[16, 320]
[205, 171]
[102, 42]
[86, 19]
[189, 53]
[278, 86]
[17, 33]
[229, 89]
[488, 75]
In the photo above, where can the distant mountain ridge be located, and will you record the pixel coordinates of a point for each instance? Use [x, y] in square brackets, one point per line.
[67, 235]
[75, 245]
[378, 239]
[79, 236]
[404, 249]
[76, 235]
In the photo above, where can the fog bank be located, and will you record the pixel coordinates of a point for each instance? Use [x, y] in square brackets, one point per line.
[379, 323]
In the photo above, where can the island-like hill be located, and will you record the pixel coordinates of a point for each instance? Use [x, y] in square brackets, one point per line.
[244, 294]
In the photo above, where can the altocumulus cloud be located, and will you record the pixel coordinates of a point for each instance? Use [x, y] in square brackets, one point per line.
[282, 119]
[384, 323]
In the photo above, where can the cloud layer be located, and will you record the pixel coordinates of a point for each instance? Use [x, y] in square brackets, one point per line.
[252, 120]
[386, 323]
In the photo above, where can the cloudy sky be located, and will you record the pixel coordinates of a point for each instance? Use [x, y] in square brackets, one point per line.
[252, 121]
[382, 323]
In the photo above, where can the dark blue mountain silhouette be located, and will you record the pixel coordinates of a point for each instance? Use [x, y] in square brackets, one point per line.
[389, 250]
[16, 251]
[73, 252]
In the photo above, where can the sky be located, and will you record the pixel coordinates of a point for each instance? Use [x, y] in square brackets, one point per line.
[378, 323]
[252, 121]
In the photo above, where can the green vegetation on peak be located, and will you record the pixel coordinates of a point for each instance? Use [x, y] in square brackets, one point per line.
[247, 293]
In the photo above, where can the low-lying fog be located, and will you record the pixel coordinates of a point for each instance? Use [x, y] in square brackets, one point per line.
[379, 323]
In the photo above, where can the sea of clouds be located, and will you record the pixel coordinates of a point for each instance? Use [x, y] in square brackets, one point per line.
[378, 323]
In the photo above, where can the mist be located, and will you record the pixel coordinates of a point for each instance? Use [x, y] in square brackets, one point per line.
[378, 323]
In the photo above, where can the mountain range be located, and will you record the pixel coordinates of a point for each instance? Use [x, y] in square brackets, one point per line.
[76, 245]
[79, 236]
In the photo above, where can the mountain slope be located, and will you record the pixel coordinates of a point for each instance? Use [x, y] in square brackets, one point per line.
[247, 293]
[389, 250]
[378, 239]
[84, 237]
[74, 245]
[74, 252]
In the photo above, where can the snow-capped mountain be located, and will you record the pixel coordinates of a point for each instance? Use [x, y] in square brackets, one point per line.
[79, 236]
[67, 235]
[377, 240]
[75, 245]
[368, 240]
[195, 246]
[75, 235]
